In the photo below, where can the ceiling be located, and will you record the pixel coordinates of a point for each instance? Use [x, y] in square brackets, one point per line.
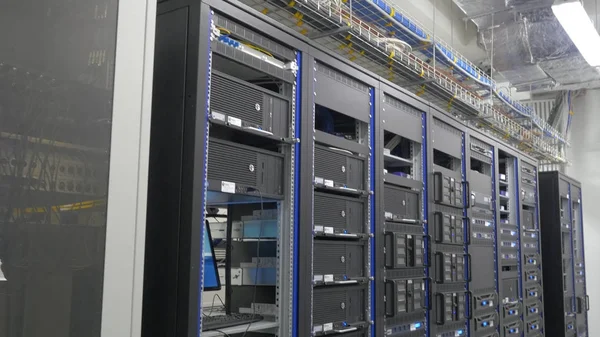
[521, 39]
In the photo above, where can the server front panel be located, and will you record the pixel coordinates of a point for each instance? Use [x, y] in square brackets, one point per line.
[451, 262]
[406, 298]
[342, 199]
[564, 290]
[481, 233]
[532, 279]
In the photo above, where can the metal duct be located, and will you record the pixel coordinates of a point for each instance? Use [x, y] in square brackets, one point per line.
[534, 47]
[478, 11]
[511, 53]
[546, 38]
[568, 70]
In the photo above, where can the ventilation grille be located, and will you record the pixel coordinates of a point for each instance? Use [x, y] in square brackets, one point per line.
[404, 273]
[485, 291]
[342, 78]
[338, 259]
[447, 127]
[542, 108]
[481, 157]
[481, 144]
[327, 307]
[227, 163]
[450, 288]
[328, 165]
[402, 228]
[328, 257]
[459, 250]
[253, 37]
[447, 209]
[331, 211]
[396, 103]
[235, 99]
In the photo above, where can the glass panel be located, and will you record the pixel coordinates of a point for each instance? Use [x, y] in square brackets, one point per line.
[56, 79]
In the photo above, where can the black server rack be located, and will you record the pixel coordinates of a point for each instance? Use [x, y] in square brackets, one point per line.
[403, 258]
[531, 251]
[481, 237]
[395, 218]
[567, 302]
[341, 203]
[508, 245]
[448, 213]
[224, 134]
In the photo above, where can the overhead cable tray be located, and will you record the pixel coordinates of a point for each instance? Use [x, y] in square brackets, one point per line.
[386, 41]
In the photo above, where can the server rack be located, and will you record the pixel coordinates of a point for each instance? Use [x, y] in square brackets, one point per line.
[344, 201]
[509, 245]
[448, 212]
[403, 256]
[562, 240]
[343, 197]
[481, 234]
[531, 249]
[225, 134]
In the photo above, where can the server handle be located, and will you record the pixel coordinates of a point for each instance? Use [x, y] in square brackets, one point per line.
[438, 187]
[428, 284]
[440, 317]
[427, 242]
[389, 249]
[468, 229]
[587, 302]
[346, 330]
[469, 308]
[438, 227]
[439, 267]
[390, 298]
[469, 273]
[467, 191]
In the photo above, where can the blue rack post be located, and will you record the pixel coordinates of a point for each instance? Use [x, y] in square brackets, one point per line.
[204, 179]
[372, 199]
[424, 158]
[296, 224]
[465, 239]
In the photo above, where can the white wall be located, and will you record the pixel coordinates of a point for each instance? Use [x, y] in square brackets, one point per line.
[449, 25]
[585, 156]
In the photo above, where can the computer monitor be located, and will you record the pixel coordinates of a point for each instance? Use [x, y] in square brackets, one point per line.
[211, 272]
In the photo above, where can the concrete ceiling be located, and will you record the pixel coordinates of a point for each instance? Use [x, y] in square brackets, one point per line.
[462, 35]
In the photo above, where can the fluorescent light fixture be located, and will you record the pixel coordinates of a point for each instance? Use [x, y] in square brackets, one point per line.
[576, 22]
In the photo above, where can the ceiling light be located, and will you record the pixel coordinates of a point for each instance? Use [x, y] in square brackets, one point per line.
[576, 22]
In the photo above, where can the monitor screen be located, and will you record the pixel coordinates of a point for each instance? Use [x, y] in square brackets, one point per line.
[211, 272]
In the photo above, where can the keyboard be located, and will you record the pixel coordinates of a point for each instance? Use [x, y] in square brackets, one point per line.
[225, 321]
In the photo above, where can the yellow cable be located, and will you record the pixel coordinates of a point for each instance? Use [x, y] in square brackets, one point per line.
[224, 30]
[450, 102]
[258, 49]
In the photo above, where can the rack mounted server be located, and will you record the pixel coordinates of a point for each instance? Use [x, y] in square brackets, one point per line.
[391, 217]
[562, 237]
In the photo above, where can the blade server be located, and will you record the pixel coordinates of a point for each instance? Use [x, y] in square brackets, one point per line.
[564, 271]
